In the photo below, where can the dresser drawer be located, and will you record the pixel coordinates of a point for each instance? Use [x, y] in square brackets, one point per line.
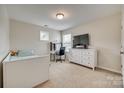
[87, 58]
[87, 61]
[87, 53]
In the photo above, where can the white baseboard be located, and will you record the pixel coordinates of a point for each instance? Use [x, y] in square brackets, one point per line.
[109, 69]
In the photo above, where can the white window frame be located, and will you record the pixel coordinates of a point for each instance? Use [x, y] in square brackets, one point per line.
[67, 44]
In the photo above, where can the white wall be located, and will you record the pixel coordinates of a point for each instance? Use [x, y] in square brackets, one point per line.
[27, 36]
[4, 36]
[105, 36]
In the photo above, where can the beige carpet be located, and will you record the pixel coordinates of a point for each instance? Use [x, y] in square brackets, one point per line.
[69, 75]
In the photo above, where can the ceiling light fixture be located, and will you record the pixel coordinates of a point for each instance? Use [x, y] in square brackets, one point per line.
[59, 16]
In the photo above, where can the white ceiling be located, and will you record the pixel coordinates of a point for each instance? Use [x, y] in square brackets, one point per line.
[73, 14]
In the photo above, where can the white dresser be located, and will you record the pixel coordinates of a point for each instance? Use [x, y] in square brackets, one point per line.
[86, 57]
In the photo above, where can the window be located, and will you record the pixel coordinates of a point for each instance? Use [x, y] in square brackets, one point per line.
[67, 41]
[44, 35]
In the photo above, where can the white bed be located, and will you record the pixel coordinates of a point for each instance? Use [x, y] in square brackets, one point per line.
[26, 71]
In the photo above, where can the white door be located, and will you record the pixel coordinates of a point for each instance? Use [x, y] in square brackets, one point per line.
[122, 43]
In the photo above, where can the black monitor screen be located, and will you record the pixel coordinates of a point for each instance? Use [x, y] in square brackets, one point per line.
[81, 40]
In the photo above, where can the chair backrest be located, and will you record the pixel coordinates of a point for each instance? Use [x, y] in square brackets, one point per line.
[62, 51]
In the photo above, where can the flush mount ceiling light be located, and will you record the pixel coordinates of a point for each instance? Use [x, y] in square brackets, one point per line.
[59, 16]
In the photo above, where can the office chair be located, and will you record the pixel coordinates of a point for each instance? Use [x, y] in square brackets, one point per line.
[60, 53]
